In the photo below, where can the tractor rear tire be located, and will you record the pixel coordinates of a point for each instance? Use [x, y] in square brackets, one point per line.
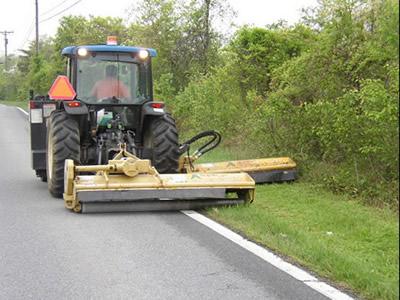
[161, 136]
[63, 142]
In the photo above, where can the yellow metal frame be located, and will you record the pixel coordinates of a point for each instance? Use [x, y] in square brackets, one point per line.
[186, 165]
[127, 172]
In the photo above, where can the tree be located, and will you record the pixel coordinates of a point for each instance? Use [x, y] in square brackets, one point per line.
[183, 34]
[259, 51]
[78, 30]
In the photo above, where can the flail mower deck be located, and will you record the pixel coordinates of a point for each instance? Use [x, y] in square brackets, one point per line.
[127, 183]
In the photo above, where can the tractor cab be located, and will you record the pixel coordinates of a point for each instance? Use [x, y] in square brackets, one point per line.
[110, 74]
[113, 84]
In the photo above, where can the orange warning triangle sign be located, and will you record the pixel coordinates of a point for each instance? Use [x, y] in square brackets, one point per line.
[62, 89]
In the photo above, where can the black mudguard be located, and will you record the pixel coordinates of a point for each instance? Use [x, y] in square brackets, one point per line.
[148, 110]
[76, 111]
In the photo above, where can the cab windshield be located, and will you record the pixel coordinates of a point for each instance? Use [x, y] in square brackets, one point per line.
[111, 78]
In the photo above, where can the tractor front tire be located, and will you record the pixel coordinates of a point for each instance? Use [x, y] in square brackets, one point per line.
[63, 142]
[161, 136]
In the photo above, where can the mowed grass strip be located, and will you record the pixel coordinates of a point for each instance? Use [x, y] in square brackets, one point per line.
[356, 247]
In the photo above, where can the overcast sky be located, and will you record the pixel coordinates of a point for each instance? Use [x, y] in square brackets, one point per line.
[18, 15]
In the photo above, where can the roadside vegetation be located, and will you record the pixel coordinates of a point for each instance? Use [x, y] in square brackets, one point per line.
[355, 246]
[21, 104]
[335, 236]
[323, 91]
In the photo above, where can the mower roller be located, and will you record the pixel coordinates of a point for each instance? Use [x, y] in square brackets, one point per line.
[103, 144]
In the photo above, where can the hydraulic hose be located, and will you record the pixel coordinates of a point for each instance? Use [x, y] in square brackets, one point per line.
[213, 142]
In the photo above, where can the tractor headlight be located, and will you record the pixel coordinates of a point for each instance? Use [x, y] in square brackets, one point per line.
[143, 54]
[82, 52]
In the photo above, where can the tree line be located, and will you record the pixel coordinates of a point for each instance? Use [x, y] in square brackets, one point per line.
[324, 91]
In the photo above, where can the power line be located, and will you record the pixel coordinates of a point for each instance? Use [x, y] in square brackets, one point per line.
[72, 5]
[37, 26]
[29, 32]
[27, 35]
[5, 32]
[54, 7]
[31, 27]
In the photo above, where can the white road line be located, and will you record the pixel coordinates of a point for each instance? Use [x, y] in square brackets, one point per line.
[270, 257]
[20, 109]
[320, 286]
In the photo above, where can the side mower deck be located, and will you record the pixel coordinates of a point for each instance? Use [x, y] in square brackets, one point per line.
[262, 170]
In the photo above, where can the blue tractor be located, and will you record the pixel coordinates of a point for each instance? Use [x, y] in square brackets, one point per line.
[113, 105]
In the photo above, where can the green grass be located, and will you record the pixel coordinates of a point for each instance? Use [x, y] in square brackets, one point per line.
[352, 245]
[21, 104]
[355, 246]
[340, 239]
[221, 153]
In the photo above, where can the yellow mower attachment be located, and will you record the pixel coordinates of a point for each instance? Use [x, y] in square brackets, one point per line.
[128, 183]
[262, 170]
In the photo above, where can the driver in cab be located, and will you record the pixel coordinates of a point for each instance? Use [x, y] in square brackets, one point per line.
[110, 87]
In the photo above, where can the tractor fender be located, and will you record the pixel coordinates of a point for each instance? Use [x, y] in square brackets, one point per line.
[79, 110]
[148, 109]
[149, 112]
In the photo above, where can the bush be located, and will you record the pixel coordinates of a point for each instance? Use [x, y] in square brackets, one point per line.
[350, 145]
[356, 136]
[211, 101]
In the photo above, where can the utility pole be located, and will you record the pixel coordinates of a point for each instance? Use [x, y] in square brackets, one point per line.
[5, 32]
[37, 26]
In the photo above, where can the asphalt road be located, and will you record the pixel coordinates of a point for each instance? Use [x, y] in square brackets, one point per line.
[47, 252]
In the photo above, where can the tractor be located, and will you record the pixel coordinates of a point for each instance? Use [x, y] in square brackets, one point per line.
[100, 139]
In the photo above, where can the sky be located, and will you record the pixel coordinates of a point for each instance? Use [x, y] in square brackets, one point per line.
[19, 15]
